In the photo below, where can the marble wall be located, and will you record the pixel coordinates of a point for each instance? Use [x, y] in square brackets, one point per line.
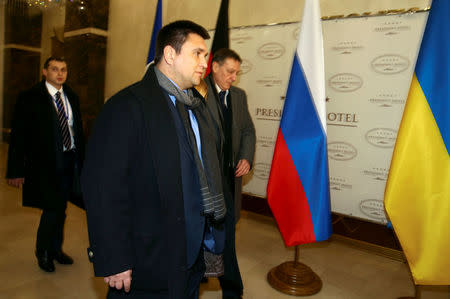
[76, 31]
[87, 14]
[2, 43]
[85, 39]
[86, 56]
[21, 55]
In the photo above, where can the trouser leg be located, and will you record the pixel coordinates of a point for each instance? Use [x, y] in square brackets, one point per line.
[51, 227]
[51, 230]
[231, 281]
[195, 275]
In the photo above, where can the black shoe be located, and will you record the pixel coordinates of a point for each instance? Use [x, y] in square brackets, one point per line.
[45, 261]
[63, 258]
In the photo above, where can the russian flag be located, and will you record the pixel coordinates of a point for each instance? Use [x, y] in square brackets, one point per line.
[157, 24]
[298, 189]
[417, 195]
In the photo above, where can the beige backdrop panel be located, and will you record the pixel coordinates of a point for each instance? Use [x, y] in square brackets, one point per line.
[368, 68]
[256, 12]
[368, 63]
[267, 52]
[131, 22]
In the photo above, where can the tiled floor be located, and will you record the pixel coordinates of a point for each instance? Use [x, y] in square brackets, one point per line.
[346, 272]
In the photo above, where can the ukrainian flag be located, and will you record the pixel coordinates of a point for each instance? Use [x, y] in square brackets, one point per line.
[417, 196]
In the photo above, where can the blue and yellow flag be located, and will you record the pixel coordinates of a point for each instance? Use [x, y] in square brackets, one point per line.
[417, 196]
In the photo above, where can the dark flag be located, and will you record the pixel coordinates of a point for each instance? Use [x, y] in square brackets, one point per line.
[221, 38]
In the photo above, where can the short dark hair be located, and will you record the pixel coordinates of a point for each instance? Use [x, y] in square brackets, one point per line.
[175, 34]
[53, 58]
[222, 54]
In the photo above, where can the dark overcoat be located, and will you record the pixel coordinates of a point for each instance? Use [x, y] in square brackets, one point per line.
[132, 189]
[243, 137]
[242, 129]
[243, 147]
[36, 148]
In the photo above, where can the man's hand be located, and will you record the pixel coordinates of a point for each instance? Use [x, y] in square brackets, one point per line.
[242, 168]
[120, 280]
[16, 182]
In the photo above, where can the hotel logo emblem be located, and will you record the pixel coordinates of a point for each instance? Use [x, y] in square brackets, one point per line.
[341, 151]
[373, 208]
[390, 64]
[271, 51]
[381, 137]
[345, 82]
[261, 171]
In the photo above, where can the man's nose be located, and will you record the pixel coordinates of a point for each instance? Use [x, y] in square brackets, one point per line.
[203, 62]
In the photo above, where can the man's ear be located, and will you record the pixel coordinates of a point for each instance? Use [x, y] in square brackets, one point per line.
[44, 72]
[169, 54]
[215, 66]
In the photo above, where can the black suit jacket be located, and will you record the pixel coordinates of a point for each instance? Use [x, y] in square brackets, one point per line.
[36, 148]
[132, 189]
[242, 129]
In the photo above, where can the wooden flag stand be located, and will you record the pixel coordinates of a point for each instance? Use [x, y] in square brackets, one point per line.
[294, 278]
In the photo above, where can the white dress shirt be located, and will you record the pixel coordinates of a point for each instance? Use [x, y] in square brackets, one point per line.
[226, 94]
[68, 110]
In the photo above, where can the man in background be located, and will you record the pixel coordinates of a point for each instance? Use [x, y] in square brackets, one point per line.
[228, 106]
[45, 156]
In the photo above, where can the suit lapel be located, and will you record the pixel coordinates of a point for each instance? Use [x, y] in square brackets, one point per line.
[234, 103]
[48, 108]
[217, 105]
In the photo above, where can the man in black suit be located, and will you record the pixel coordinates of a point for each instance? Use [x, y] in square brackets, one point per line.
[152, 181]
[229, 110]
[45, 156]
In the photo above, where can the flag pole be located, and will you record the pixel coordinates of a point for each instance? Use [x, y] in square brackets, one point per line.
[294, 278]
[296, 255]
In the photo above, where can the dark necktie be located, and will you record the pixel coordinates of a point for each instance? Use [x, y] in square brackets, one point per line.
[63, 125]
[222, 99]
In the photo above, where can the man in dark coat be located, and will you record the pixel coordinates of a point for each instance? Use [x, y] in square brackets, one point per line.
[149, 161]
[229, 110]
[45, 156]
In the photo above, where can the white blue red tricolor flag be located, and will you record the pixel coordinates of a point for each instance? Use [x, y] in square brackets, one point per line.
[298, 189]
[157, 24]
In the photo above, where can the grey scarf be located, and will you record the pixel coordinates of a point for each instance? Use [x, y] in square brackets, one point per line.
[209, 172]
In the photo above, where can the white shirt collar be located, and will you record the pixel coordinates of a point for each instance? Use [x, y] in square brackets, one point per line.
[219, 90]
[52, 90]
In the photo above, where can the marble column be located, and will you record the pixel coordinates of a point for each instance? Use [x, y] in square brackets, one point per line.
[85, 38]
